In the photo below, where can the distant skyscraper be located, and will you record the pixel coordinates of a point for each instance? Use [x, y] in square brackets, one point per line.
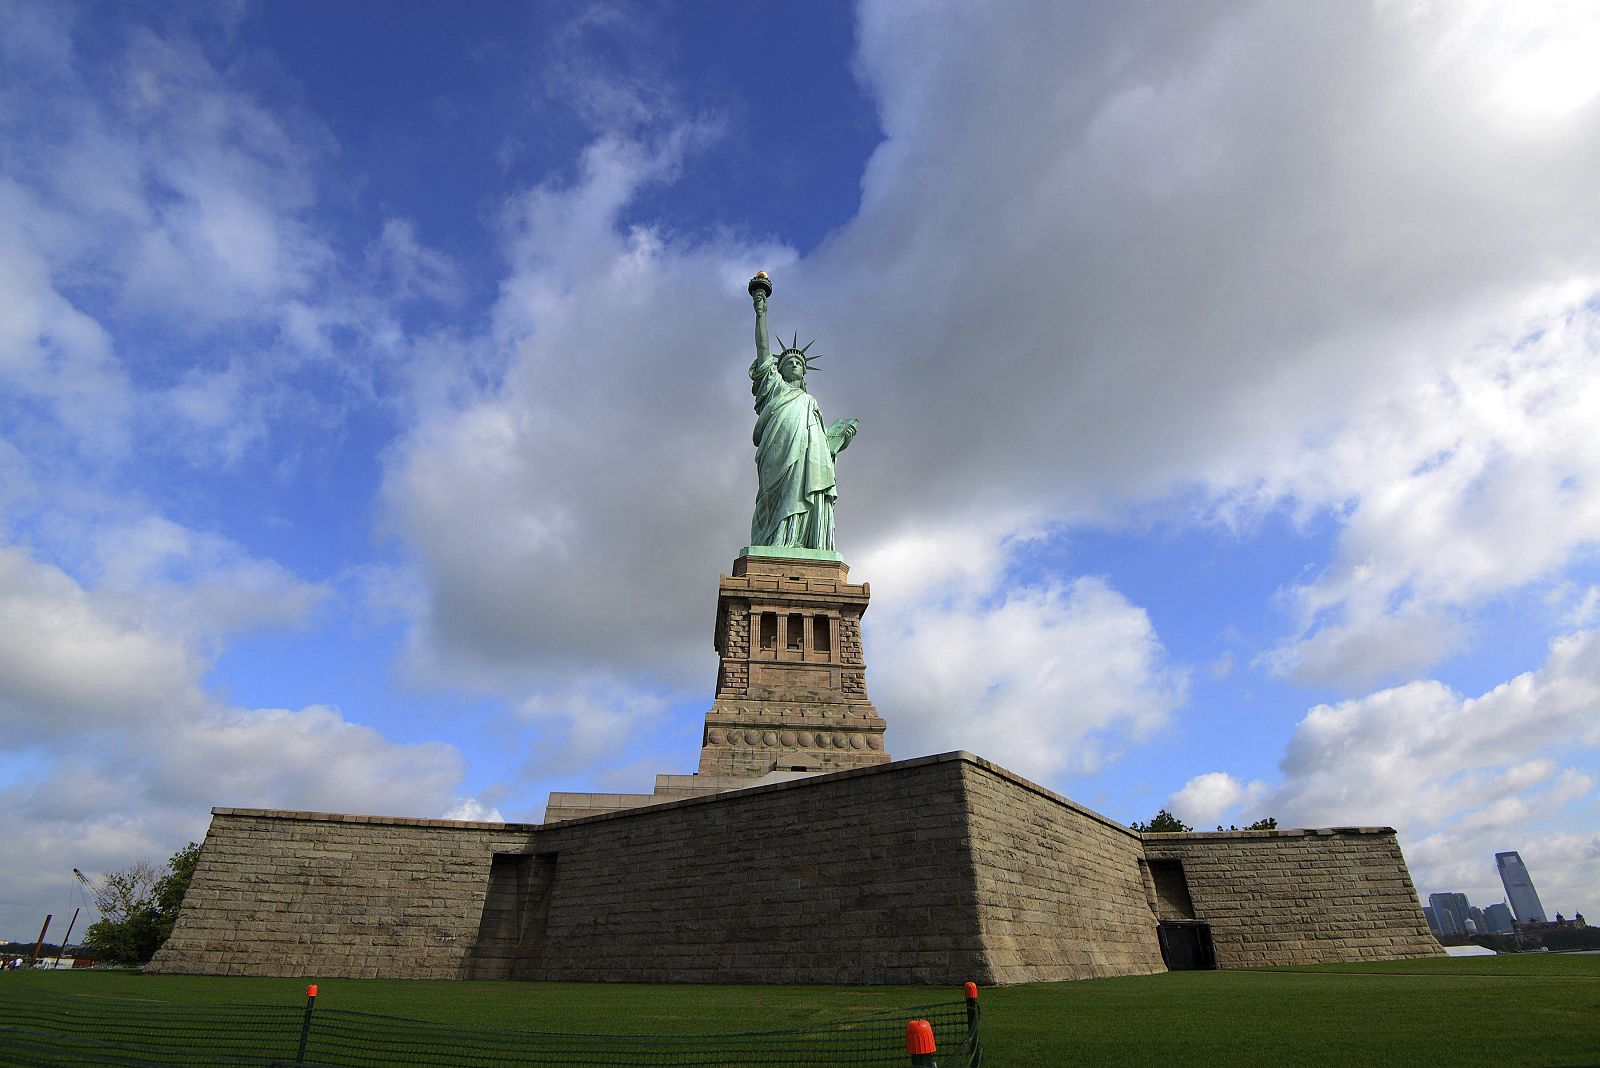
[1433, 921]
[1519, 888]
[1498, 917]
[1450, 910]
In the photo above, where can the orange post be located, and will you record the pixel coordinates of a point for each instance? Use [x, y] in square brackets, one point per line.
[305, 1024]
[919, 1043]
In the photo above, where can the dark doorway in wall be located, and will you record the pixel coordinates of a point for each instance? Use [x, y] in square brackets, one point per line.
[1186, 946]
[1172, 890]
[510, 938]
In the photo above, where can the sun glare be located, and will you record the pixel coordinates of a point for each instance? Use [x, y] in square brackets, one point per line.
[1554, 79]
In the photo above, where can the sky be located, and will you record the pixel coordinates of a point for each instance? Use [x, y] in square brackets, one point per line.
[374, 420]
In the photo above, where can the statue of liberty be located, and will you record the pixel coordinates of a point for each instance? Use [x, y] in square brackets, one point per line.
[794, 451]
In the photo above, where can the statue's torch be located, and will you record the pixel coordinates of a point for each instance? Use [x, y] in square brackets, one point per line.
[760, 288]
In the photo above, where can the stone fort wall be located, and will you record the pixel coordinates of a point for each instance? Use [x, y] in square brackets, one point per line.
[860, 876]
[305, 893]
[935, 870]
[1059, 887]
[1298, 896]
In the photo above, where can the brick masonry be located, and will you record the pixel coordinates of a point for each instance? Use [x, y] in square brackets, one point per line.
[935, 870]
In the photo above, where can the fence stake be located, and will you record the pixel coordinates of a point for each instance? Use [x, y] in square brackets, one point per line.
[919, 1043]
[972, 1025]
[305, 1026]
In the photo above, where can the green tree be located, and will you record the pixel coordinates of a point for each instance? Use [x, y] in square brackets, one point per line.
[1269, 823]
[171, 887]
[1163, 821]
[138, 907]
[1570, 938]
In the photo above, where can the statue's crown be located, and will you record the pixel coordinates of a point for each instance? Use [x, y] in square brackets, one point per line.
[794, 348]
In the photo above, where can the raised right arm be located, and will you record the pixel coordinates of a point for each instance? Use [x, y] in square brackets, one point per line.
[763, 349]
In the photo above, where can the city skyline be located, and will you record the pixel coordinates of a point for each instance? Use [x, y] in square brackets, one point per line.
[1446, 910]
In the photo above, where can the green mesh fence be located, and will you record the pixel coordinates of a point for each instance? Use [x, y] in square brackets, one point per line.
[49, 1028]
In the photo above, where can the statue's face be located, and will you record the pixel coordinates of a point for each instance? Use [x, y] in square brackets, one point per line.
[792, 368]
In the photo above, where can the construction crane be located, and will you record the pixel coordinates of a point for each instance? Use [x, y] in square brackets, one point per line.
[104, 899]
[102, 896]
[97, 890]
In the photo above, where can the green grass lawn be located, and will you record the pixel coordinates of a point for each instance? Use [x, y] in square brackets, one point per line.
[1509, 1010]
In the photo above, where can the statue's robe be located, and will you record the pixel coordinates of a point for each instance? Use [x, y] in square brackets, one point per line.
[794, 464]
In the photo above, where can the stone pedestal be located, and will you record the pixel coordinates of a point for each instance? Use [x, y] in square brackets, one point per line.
[791, 683]
[791, 677]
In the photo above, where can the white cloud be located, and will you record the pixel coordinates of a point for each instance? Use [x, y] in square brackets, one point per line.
[181, 192]
[167, 279]
[1049, 680]
[310, 758]
[1461, 777]
[1471, 482]
[193, 583]
[608, 64]
[68, 664]
[1213, 796]
[1366, 646]
[141, 792]
[1532, 59]
[51, 353]
[151, 190]
[226, 235]
[1587, 609]
[410, 267]
[470, 808]
[1284, 307]
[113, 749]
[598, 716]
[565, 521]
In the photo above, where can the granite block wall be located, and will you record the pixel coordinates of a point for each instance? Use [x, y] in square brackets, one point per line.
[302, 893]
[935, 870]
[1300, 896]
[1059, 889]
[863, 876]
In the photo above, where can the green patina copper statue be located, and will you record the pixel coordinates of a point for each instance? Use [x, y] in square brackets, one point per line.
[794, 449]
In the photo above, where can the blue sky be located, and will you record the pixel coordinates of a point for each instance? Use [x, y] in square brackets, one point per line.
[373, 420]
